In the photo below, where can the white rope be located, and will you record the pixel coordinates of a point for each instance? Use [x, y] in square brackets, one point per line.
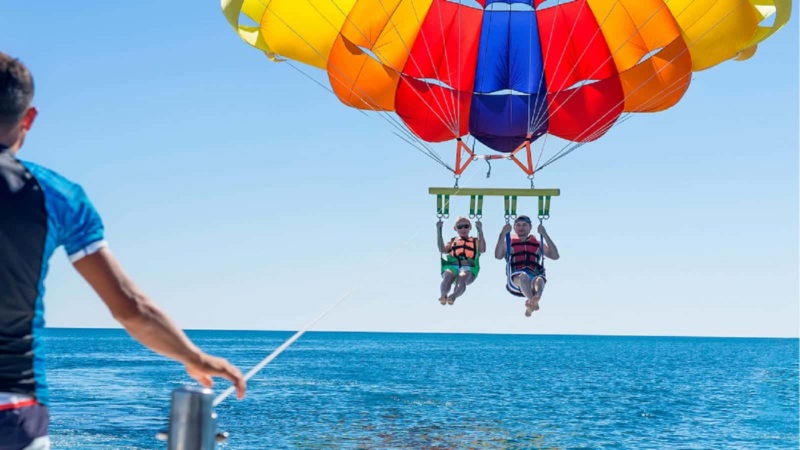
[227, 392]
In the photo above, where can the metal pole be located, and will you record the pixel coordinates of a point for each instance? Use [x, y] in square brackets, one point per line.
[192, 421]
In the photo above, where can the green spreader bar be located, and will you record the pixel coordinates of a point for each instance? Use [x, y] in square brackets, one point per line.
[476, 199]
[496, 192]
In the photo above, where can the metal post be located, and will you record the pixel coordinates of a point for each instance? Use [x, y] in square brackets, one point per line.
[192, 421]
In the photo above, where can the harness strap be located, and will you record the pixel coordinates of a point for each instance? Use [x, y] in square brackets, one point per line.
[510, 286]
[18, 405]
[541, 238]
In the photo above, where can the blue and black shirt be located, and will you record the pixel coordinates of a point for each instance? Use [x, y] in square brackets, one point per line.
[39, 211]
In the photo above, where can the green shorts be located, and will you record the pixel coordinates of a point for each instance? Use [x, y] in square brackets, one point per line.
[456, 269]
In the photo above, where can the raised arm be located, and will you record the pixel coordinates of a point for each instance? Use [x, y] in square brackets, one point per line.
[550, 249]
[500, 248]
[440, 240]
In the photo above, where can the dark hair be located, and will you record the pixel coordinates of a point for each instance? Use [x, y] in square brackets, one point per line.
[523, 219]
[16, 89]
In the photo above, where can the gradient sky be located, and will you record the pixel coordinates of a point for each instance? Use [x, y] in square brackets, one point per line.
[241, 195]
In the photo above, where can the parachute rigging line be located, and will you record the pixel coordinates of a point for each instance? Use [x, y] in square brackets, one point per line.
[369, 100]
[347, 17]
[569, 148]
[450, 115]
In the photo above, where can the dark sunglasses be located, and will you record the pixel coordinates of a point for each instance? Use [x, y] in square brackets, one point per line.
[461, 227]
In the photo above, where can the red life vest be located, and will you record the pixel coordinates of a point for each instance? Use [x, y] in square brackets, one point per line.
[462, 249]
[525, 254]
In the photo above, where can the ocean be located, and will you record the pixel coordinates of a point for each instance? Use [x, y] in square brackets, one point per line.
[439, 391]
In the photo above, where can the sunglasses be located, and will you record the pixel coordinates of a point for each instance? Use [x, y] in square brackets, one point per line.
[461, 227]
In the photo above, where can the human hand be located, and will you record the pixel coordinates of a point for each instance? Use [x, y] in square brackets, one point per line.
[506, 229]
[541, 230]
[479, 225]
[439, 224]
[208, 366]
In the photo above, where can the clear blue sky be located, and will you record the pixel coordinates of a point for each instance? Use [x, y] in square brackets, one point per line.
[241, 195]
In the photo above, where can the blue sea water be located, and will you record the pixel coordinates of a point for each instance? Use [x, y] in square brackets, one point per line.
[400, 391]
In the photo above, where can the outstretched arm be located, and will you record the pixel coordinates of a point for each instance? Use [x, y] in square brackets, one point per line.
[147, 323]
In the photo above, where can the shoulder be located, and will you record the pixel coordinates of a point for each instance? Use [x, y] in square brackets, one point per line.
[53, 183]
[77, 225]
[13, 176]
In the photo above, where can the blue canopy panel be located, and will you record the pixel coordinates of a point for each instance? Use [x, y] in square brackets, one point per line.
[510, 97]
[526, 2]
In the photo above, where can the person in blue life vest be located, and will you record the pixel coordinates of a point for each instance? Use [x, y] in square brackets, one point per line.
[460, 266]
[40, 211]
[524, 260]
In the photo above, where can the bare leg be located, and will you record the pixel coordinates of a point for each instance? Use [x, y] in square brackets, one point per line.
[538, 288]
[464, 278]
[524, 283]
[523, 280]
[447, 280]
[526, 286]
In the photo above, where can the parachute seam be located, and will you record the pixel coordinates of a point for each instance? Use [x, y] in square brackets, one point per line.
[347, 18]
[369, 100]
[450, 113]
[610, 58]
[563, 153]
[405, 44]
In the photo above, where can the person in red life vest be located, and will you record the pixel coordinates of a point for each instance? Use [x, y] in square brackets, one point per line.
[462, 254]
[523, 253]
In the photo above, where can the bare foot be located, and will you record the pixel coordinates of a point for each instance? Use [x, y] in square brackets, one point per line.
[443, 300]
[451, 299]
[531, 306]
